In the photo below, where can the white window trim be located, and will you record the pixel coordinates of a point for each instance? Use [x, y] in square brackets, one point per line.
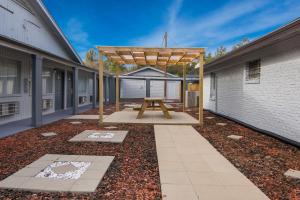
[252, 81]
[212, 97]
[19, 94]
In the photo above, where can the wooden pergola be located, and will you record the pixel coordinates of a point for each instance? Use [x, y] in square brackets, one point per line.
[162, 57]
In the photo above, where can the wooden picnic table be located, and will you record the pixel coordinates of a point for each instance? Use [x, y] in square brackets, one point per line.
[152, 102]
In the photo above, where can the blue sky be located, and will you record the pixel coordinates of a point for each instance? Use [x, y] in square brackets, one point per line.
[190, 23]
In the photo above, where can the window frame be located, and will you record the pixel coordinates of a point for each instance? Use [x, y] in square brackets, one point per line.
[213, 86]
[253, 80]
[51, 78]
[18, 78]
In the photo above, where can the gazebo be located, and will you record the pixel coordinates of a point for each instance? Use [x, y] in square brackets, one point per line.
[162, 57]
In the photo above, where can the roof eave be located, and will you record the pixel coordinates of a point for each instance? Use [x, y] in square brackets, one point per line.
[59, 32]
[252, 46]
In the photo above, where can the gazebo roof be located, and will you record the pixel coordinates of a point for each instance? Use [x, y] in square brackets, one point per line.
[151, 56]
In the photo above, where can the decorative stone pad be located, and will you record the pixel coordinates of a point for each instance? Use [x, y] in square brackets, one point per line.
[221, 124]
[235, 137]
[64, 170]
[60, 173]
[100, 136]
[76, 122]
[292, 174]
[110, 127]
[48, 134]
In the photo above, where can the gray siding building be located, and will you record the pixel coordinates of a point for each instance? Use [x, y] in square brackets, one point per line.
[40, 72]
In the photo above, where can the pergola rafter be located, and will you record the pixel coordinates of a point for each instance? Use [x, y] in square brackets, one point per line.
[151, 56]
[162, 57]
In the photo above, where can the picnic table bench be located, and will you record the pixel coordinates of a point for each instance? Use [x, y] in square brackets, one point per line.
[152, 103]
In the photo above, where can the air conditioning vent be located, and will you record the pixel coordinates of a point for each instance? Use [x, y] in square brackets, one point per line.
[9, 108]
[47, 104]
[82, 99]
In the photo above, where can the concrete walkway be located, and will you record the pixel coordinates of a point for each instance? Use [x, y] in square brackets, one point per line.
[191, 168]
[25, 124]
[86, 117]
[150, 117]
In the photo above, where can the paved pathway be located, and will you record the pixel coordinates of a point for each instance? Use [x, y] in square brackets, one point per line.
[191, 168]
[85, 117]
[25, 124]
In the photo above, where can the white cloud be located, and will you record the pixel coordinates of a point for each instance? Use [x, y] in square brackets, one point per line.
[78, 36]
[222, 26]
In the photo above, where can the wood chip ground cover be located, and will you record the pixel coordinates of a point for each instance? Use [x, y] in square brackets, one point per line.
[261, 158]
[133, 173]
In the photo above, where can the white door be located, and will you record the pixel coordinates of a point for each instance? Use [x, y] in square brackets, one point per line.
[133, 88]
[157, 88]
[173, 90]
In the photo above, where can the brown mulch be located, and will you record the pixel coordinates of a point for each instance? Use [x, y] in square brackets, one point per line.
[261, 158]
[132, 175]
[134, 172]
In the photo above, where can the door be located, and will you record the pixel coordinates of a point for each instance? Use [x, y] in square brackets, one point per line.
[173, 90]
[59, 90]
[157, 88]
[69, 89]
[133, 88]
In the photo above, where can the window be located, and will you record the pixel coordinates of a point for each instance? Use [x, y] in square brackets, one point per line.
[9, 77]
[82, 86]
[213, 86]
[47, 81]
[253, 71]
[91, 83]
[9, 108]
[47, 104]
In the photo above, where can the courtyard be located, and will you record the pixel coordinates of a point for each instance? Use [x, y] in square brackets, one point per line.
[137, 170]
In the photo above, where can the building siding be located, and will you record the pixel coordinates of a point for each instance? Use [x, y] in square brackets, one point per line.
[28, 28]
[273, 104]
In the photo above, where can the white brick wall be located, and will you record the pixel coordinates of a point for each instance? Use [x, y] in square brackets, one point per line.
[272, 105]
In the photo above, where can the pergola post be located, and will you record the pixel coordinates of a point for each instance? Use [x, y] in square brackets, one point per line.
[100, 88]
[183, 87]
[201, 64]
[165, 83]
[117, 88]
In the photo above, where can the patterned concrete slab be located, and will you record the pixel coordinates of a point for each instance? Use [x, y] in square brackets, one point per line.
[191, 168]
[100, 136]
[86, 117]
[60, 173]
[150, 117]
